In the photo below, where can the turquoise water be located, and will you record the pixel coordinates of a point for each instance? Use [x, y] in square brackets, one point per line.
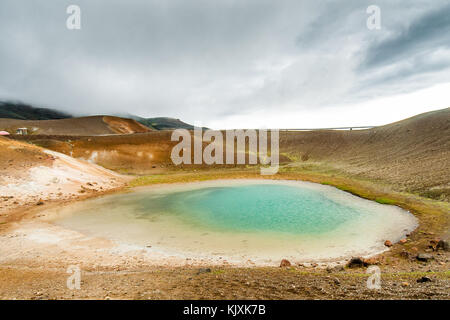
[261, 221]
[275, 208]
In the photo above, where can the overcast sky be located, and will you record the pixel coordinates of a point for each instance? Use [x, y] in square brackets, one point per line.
[230, 63]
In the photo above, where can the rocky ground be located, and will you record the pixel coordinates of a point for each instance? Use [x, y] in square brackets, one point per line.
[225, 283]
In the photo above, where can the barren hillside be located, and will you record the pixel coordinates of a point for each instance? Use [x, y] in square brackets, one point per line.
[84, 126]
[29, 174]
[412, 155]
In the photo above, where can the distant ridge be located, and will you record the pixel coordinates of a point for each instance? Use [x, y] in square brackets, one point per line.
[162, 123]
[22, 111]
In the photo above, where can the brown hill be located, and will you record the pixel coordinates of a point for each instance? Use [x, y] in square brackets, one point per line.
[410, 155]
[83, 126]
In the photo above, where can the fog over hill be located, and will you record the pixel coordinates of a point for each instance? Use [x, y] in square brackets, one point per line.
[18, 110]
[22, 111]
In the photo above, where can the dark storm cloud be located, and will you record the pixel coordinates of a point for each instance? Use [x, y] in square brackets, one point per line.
[413, 55]
[203, 59]
[424, 34]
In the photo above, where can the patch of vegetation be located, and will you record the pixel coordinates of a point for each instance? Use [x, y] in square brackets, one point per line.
[218, 271]
[346, 188]
[385, 201]
[184, 177]
[293, 157]
[443, 274]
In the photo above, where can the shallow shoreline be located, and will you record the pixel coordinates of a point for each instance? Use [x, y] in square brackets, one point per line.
[161, 253]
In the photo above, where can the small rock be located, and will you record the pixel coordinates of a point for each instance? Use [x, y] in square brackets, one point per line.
[40, 202]
[203, 270]
[355, 262]
[388, 243]
[424, 257]
[424, 279]
[405, 284]
[403, 241]
[336, 281]
[285, 263]
[443, 244]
